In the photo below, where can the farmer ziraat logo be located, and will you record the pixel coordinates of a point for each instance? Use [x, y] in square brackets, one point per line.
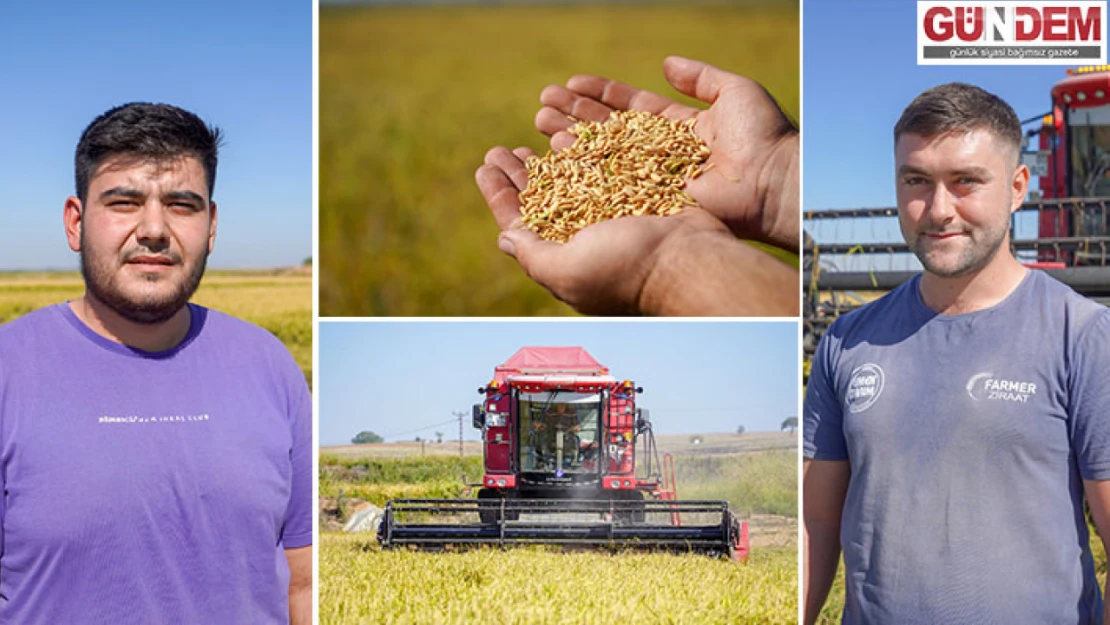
[1011, 33]
[864, 387]
[985, 386]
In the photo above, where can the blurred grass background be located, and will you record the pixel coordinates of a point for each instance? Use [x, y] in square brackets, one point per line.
[279, 300]
[411, 98]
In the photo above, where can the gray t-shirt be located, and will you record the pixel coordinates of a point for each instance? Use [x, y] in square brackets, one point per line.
[968, 437]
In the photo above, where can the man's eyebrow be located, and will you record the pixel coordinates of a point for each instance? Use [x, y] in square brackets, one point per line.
[980, 172]
[910, 169]
[122, 192]
[184, 195]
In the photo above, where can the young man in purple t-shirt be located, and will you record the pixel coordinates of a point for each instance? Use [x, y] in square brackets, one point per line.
[155, 456]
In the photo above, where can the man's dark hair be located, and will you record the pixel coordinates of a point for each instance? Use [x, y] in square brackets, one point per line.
[959, 107]
[156, 132]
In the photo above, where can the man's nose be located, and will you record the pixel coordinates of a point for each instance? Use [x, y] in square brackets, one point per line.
[152, 230]
[942, 206]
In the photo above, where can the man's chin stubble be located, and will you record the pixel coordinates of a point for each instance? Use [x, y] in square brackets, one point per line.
[964, 267]
[148, 312]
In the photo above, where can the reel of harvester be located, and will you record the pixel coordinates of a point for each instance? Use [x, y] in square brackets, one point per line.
[706, 527]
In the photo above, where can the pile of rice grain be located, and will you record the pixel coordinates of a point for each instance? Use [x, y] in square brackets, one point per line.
[634, 163]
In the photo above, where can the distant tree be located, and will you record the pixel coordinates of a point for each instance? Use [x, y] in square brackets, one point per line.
[417, 439]
[740, 430]
[695, 440]
[366, 436]
[790, 423]
[439, 437]
[307, 262]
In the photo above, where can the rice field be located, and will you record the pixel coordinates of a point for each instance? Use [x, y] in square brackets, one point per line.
[412, 97]
[360, 583]
[279, 300]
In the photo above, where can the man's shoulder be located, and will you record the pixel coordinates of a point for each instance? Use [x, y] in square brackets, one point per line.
[247, 341]
[30, 324]
[236, 331]
[877, 315]
[1079, 310]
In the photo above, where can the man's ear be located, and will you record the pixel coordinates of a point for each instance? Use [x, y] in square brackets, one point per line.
[211, 226]
[1020, 187]
[73, 217]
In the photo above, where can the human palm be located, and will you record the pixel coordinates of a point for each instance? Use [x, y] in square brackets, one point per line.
[602, 269]
[749, 136]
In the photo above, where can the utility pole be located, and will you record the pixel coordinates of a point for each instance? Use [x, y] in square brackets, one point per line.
[460, 416]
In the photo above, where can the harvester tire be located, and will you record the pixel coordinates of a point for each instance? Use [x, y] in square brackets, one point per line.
[635, 511]
[489, 510]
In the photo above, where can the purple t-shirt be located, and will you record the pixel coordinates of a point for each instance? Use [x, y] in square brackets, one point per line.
[145, 487]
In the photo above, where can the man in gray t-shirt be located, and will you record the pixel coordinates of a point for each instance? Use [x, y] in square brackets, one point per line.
[952, 428]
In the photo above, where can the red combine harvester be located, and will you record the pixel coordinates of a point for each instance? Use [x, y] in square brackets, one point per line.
[569, 460]
[1073, 164]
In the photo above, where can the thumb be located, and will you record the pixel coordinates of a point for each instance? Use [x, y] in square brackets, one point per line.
[695, 78]
[534, 254]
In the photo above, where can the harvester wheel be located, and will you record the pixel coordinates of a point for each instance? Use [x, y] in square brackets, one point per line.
[634, 513]
[489, 510]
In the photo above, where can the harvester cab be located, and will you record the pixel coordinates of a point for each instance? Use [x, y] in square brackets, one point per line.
[568, 459]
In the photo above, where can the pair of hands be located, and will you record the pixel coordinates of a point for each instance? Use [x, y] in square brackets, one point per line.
[614, 267]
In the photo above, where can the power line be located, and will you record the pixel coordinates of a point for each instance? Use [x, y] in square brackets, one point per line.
[426, 427]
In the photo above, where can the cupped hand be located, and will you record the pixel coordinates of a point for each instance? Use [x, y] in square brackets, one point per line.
[604, 267]
[753, 184]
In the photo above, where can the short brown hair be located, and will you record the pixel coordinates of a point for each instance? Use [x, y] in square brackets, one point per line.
[960, 107]
[148, 131]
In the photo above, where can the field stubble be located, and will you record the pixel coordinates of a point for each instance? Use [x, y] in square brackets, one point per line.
[406, 116]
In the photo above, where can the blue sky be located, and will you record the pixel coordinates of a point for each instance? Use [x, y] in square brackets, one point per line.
[860, 71]
[245, 66]
[404, 379]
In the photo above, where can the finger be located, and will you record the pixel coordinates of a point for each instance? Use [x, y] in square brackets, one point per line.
[562, 140]
[509, 163]
[550, 120]
[568, 102]
[537, 257]
[524, 154]
[500, 194]
[697, 79]
[622, 97]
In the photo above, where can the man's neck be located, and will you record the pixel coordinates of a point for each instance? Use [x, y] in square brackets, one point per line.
[975, 291]
[152, 337]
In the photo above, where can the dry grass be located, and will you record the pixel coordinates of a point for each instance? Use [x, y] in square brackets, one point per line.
[633, 163]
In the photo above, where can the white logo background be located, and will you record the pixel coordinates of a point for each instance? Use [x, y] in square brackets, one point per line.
[865, 387]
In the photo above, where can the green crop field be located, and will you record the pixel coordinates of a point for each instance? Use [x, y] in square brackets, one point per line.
[280, 301]
[412, 97]
[360, 583]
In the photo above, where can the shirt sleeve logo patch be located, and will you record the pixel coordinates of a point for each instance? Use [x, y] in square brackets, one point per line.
[865, 387]
[985, 387]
